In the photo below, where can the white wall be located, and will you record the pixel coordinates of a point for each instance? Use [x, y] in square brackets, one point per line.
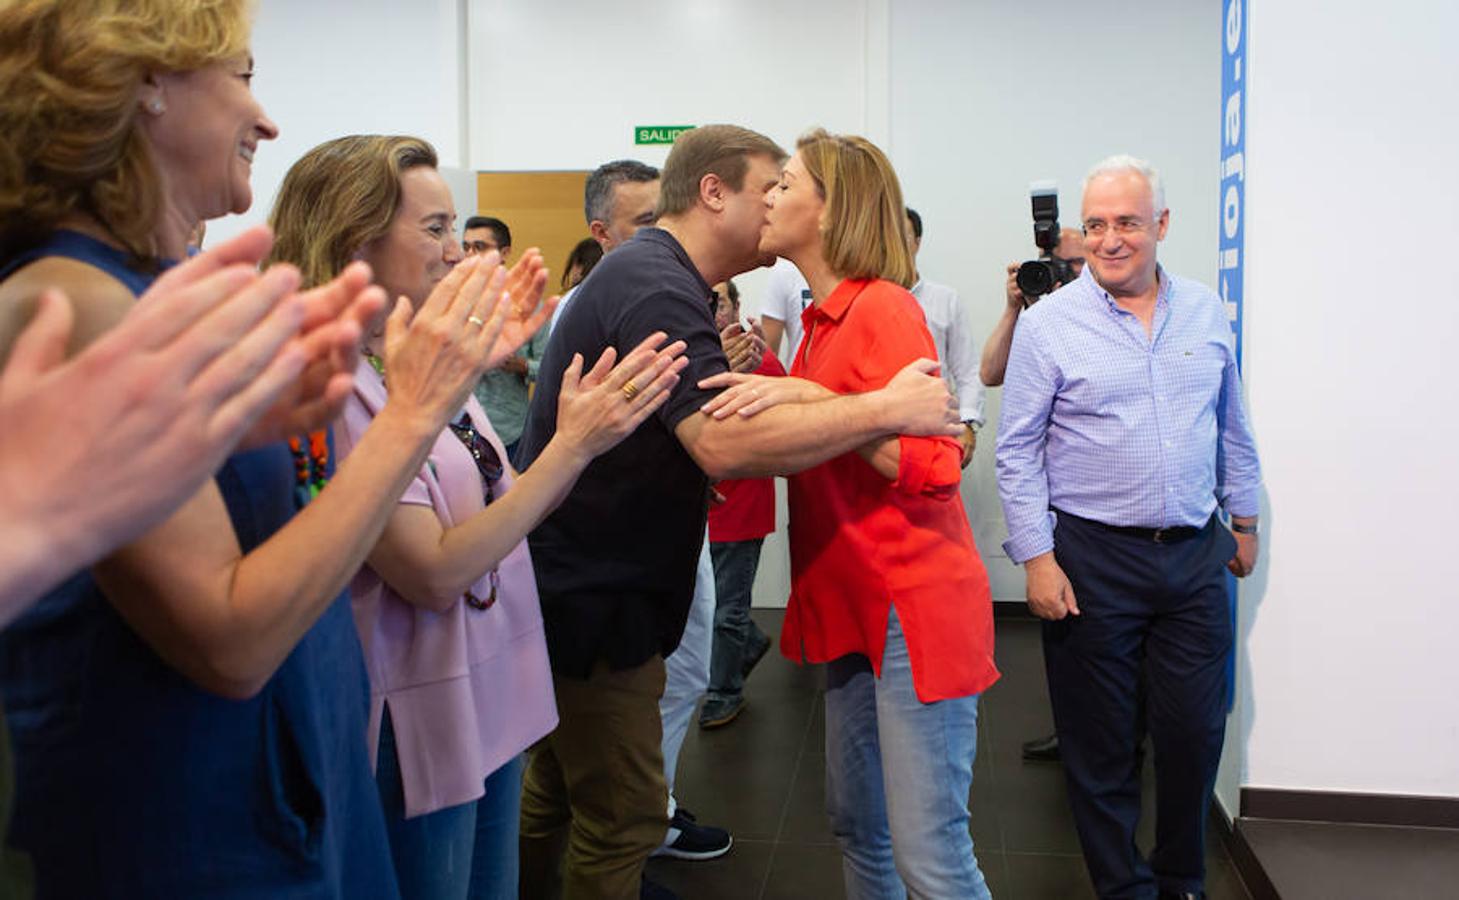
[597, 71]
[946, 87]
[988, 96]
[329, 68]
[1350, 667]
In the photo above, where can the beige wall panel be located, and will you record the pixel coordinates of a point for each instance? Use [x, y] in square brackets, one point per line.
[543, 209]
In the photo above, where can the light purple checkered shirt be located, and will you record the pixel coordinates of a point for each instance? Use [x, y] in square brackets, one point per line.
[1104, 423]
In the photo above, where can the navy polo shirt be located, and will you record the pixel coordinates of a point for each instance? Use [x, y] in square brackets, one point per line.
[615, 563]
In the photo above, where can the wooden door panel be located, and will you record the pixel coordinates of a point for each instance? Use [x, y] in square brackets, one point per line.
[543, 209]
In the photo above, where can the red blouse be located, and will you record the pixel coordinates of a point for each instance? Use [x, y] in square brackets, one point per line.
[860, 544]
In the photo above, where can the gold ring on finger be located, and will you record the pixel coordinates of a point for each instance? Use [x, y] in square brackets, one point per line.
[476, 320]
[630, 390]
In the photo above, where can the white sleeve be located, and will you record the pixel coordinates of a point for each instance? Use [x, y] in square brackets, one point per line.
[963, 356]
[561, 305]
[782, 292]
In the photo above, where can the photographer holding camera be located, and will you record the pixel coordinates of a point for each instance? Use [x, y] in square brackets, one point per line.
[1070, 252]
[1042, 276]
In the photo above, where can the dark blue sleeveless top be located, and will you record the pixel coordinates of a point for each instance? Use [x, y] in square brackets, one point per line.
[133, 782]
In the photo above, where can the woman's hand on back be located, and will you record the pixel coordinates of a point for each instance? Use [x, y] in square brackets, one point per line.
[598, 409]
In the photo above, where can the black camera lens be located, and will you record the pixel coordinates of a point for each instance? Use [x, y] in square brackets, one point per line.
[1036, 278]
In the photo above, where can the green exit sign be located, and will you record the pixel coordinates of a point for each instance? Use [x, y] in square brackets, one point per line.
[659, 134]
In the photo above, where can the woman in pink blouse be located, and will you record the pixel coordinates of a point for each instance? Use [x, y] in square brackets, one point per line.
[447, 606]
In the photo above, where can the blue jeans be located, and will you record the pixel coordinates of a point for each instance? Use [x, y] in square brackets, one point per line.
[898, 774]
[736, 635]
[465, 852]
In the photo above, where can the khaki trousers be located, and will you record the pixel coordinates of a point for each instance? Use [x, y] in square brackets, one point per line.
[596, 787]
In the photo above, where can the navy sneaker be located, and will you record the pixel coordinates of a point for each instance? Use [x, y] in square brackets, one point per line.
[694, 841]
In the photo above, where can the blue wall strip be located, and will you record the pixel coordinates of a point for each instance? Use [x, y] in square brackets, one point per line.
[1231, 263]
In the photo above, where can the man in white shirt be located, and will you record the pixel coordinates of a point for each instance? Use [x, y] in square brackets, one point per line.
[956, 349]
[786, 296]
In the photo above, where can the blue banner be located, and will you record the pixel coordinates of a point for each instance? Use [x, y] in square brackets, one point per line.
[1232, 263]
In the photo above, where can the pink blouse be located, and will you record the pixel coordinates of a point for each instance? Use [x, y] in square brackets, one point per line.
[468, 689]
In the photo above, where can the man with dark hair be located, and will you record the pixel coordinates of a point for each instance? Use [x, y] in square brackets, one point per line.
[503, 391]
[948, 322]
[616, 561]
[483, 234]
[914, 221]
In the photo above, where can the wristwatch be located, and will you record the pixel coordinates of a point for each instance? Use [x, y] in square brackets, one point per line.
[971, 424]
[1253, 528]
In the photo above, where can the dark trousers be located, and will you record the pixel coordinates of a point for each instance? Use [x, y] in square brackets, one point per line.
[736, 636]
[1148, 652]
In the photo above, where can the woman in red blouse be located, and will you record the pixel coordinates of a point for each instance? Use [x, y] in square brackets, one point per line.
[886, 586]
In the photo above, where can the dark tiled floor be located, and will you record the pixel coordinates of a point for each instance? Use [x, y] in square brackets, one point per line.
[762, 778]
[1326, 861]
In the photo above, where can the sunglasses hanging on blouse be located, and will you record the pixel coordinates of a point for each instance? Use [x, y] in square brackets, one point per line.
[489, 466]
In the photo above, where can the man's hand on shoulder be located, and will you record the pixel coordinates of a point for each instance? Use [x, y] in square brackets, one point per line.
[1050, 595]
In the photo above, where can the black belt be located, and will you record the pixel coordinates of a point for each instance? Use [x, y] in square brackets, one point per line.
[1172, 535]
